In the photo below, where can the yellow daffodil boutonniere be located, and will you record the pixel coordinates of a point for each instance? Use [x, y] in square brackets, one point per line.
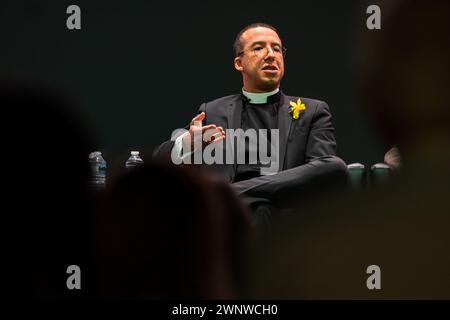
[296, 108]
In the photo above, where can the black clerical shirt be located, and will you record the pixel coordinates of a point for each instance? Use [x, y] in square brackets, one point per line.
[257, 116]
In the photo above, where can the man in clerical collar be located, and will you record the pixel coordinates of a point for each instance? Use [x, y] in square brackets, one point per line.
[302, 145]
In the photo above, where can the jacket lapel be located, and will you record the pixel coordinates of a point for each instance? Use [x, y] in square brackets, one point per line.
[234, 117]
[284, 126]
[235, 113]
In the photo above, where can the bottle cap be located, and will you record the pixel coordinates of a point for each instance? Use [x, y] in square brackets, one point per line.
[94, 154]
[380, 166]
[356, 165]
[134, 153]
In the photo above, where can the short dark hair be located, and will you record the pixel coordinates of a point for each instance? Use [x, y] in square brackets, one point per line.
[238, 46]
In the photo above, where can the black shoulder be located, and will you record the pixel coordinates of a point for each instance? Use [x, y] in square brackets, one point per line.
[224, 100]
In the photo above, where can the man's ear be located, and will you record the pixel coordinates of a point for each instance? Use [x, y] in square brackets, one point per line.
[238, 64]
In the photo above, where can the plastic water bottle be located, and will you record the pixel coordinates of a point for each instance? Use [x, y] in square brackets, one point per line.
[98, 170]
[134, 160]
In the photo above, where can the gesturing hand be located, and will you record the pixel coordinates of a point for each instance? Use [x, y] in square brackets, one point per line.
[199, 135]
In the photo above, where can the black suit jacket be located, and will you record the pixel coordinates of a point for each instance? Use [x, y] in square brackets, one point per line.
[301, 140]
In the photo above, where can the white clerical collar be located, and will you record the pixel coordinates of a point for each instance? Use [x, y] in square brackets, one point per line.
[260, 97]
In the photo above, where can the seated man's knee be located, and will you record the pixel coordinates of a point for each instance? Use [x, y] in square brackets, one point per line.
[338, 166]
[338, 172]
[333, 171]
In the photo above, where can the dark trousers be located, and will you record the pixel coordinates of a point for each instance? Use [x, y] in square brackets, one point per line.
[270, 195]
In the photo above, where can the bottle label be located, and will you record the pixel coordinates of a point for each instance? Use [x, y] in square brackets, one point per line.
[99, 170]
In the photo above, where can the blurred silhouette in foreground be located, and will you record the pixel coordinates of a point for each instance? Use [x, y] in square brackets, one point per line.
[168, 232]
[158, 231]
[45, 206]
[403, 225]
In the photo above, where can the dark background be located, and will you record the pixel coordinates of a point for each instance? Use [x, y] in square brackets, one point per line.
[141, 69]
